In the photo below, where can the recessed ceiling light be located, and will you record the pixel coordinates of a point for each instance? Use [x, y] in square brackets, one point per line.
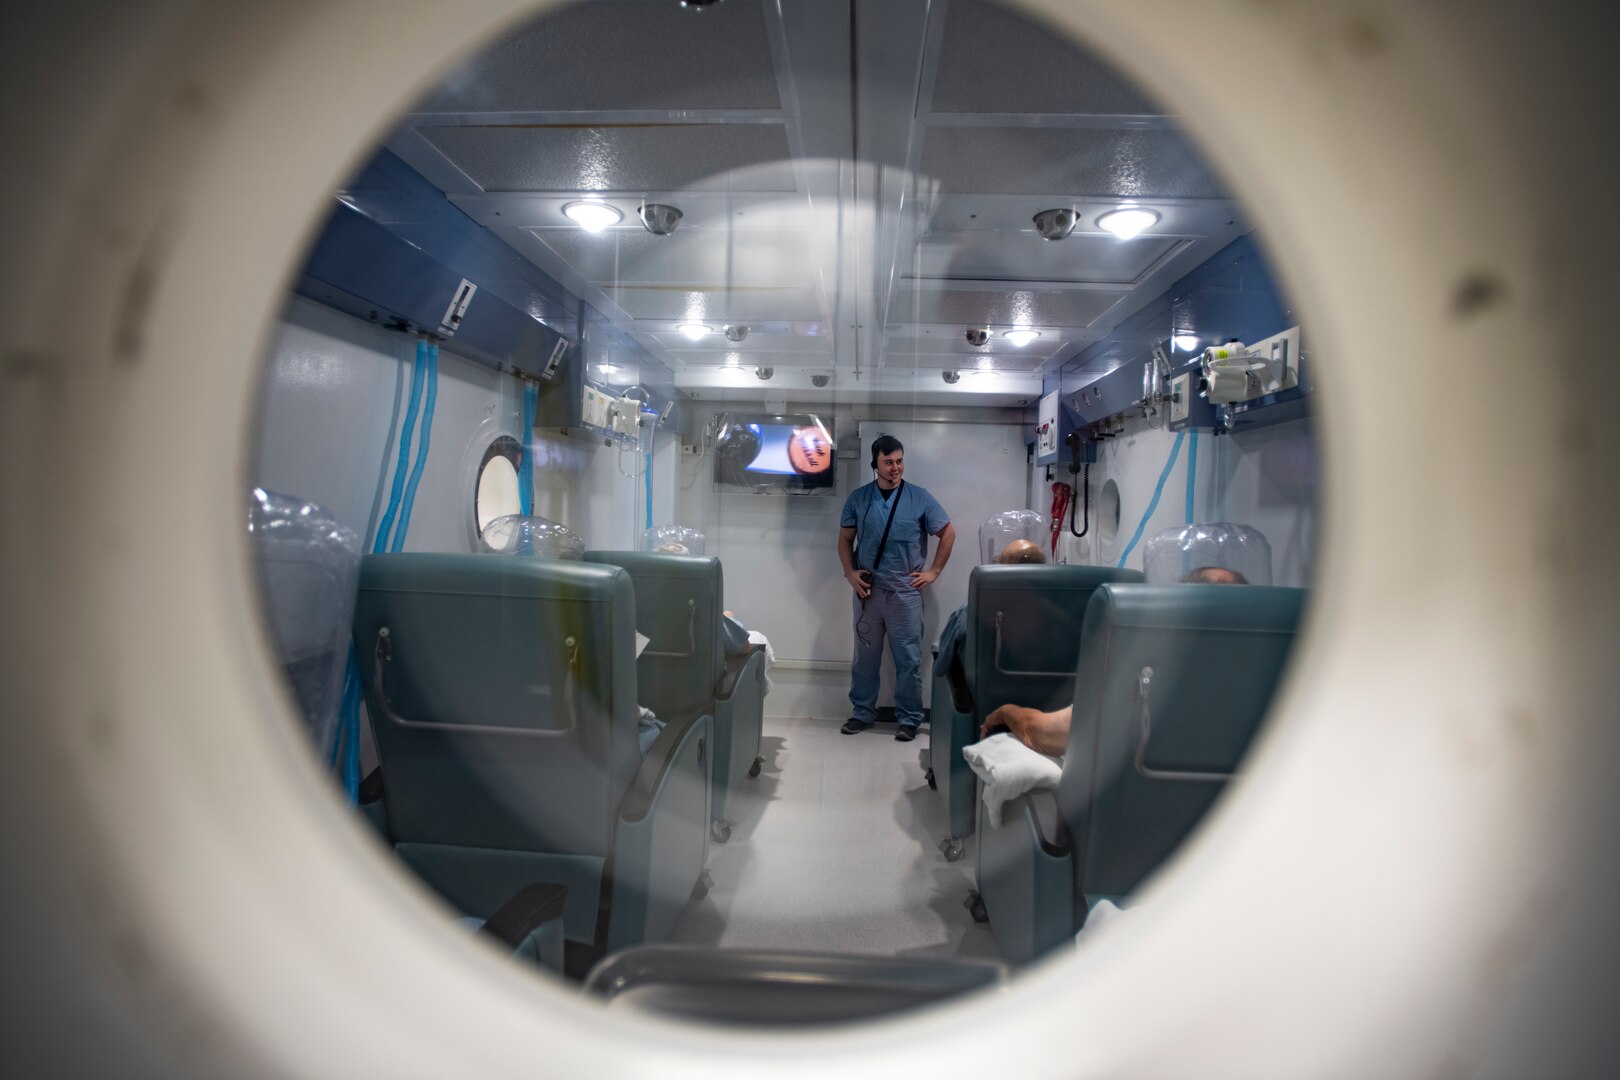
[593, 217]
[1128, 221]
[1186, 342]
[1021, 338]
[695, 331]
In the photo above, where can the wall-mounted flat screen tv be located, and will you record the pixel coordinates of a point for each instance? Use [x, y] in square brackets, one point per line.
[774, 454]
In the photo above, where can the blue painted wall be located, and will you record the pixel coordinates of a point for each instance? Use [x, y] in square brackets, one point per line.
[1232, 295]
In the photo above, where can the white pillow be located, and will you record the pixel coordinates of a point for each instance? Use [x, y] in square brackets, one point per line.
[1008, 768]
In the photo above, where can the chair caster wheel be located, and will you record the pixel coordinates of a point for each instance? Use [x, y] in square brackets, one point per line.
[975, 905]
[704, 884]
[952, 847]
[932, 783]
[720, 830]
[753, 770]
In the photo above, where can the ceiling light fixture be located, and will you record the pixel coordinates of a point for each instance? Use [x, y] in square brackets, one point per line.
[1128, 221]
[592, 216]
[694, 331]
[1021, 338]
[1186, 342]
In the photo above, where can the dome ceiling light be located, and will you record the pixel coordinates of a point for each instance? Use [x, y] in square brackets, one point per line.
[1021, 337]
[592, 216]
[1128, 221]
[695, 331]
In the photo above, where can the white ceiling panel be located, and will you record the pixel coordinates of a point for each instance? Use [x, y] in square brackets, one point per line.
[1077, 162]
[925, 303]
[648, 54]
[717, 305]
[652, 157]
[1024, 257]
[631, 255]
[996, 61]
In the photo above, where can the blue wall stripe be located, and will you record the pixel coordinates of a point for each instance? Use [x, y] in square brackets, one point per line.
[1158, 490]
[531, 397]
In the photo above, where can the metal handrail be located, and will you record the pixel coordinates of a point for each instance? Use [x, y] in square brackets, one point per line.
[996, 661]
[384, 653]
[1145, 725]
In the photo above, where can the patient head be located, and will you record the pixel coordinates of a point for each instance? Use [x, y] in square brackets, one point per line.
[1215, 575]
[1021, 551]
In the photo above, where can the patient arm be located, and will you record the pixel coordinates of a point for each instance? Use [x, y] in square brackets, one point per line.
[1044, 732]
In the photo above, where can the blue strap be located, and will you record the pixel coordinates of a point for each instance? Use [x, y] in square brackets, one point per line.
[1192, 474]
[1192, 488]
[647, 478]
[1158, 490]
[421, 449]
[346, 740]
[531, 397]
[418, 373]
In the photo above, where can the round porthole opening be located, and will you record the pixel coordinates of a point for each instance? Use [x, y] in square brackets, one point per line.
[1108, 512]
[497, 493]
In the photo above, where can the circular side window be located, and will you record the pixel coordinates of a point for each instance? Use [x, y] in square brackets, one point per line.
[1108, 512]
[497, 494]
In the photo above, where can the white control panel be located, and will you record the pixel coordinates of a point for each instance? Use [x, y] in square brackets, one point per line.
[1046, 426]
[1180, 397]
[595, 409]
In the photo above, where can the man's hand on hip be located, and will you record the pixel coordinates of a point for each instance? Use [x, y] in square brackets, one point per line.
[919, 578]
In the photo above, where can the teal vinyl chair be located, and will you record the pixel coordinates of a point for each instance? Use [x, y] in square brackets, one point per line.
[502, 696]
[684, 667]
[1023, 633]
[1172, 684]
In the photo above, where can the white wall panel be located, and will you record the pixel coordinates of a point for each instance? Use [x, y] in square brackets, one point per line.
[1266, 478]
[335, 392]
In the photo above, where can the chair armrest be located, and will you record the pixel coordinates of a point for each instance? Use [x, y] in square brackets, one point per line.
[1046, 824]
[733, 673]
[372, 788]
[529, 908]
[660, 757]
[956, 680]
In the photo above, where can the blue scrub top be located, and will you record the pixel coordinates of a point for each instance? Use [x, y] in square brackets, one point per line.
[918, 516]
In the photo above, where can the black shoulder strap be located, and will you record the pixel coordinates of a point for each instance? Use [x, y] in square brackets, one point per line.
[883, 541]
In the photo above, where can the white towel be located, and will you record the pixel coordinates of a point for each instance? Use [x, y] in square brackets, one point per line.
[1008, 768]
[757, 638]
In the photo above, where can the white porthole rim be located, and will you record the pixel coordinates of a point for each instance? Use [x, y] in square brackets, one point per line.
[435, 1003]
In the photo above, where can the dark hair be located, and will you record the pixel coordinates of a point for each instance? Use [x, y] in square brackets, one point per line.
[884, 444]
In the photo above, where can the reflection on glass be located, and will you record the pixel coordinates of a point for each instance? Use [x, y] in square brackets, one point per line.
[743, 314]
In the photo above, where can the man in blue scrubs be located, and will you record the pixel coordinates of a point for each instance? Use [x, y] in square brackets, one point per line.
[887, 597]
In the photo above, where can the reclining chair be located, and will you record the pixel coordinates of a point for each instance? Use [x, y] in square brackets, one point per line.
[684, 667]
[1172, 683]
[1022, 636]
[502, 694]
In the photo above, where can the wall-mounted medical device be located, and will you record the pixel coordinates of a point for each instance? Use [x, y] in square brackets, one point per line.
[364, 269]
[1225, 388]
[1237, 385]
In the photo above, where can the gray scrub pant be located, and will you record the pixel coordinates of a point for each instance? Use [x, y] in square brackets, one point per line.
[899, 614]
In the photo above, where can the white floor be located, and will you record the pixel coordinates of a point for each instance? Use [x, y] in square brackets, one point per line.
[835, 848]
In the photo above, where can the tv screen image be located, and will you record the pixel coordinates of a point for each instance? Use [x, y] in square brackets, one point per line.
[790, 455]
